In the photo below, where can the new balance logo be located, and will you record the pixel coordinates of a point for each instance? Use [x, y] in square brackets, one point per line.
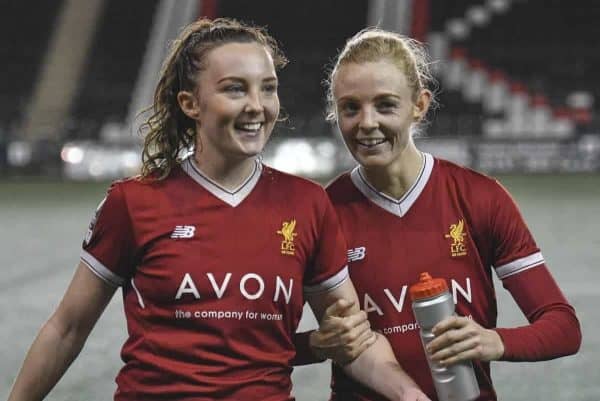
[183, 232]
[357, 254]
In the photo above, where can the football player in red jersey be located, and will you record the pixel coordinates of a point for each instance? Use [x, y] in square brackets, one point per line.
[215, 253]
[404, 212]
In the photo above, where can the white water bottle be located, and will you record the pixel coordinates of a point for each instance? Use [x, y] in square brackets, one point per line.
[432, 303]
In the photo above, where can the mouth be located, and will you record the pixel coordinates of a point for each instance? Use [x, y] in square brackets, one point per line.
[252, 128]
[370, 142]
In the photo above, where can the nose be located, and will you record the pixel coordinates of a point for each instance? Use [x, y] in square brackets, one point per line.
[368, 121]
[254, 102]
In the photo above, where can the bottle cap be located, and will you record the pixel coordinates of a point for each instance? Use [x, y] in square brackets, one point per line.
[427, 287]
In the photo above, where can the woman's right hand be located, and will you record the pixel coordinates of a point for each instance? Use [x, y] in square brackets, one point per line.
[342, 335]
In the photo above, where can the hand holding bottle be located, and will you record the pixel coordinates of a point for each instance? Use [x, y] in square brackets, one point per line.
[463, 339]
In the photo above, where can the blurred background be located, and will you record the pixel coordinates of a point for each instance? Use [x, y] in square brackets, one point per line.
[517, 86]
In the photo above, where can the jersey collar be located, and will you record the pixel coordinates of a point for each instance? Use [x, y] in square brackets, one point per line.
[232, 198]
[399, 207]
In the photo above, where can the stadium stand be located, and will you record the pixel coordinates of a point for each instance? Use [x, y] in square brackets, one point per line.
[114, 63]
[22, 51]
[513, 74]
[535, 51]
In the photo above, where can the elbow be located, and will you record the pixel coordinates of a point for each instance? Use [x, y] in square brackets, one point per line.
[67, 331]
[572, 337]
[577, 337]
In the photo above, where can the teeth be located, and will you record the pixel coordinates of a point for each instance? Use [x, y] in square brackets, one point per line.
[250, 126]
[371, 141]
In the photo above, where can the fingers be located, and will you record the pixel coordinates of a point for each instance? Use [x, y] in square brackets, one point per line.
[341, 307]
[459, 351]
[351, 351]
[342, 331]
[449, 332]
[453, 322]
[459, 339]
[354, 321]
[347, 328]
[366, 336]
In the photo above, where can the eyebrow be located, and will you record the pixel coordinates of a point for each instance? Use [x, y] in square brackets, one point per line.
[240, 79]
[378, 97]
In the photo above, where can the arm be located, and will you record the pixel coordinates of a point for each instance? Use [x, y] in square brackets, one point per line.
[554, 330]
[342, 336]
[376, 367]
[62, 337]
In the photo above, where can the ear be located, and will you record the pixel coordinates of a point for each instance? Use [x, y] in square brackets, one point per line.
[421, 105]
[188, 104]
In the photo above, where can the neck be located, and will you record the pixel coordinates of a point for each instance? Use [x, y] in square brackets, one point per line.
[398, 177]
[229, 174]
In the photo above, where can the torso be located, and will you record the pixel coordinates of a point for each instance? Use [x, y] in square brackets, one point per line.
[216, 288]
[390, 242]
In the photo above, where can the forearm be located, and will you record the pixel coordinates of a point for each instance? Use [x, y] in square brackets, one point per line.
[48, 358]
[557, 333]
[554, 329]
[378, 369]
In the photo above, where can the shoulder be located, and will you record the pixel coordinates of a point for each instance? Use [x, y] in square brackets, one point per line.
[340, 188]
[467, 181]
[139, 187]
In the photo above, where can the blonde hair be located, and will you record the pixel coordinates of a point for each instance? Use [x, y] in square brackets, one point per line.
[374, 44]
[168, 130]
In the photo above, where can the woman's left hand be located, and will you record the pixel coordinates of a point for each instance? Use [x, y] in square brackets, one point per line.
[461, 339]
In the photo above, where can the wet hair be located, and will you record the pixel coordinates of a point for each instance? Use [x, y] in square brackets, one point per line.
[168, 131]
[374, 44]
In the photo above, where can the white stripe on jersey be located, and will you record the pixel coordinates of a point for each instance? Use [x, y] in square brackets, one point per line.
[519, 265]
[398, 207]
[330, 284]
[139, 296]
[234, 197]
[100, 270]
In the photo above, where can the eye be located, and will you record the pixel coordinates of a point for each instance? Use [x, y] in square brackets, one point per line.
[235, 89]
[270, 88]
[348, 108]
[386, 106]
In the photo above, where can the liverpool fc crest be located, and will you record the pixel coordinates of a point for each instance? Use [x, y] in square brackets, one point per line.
[287, 231]
[457, 247]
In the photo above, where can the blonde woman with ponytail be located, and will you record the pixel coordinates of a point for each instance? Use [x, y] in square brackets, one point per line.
[404, 212]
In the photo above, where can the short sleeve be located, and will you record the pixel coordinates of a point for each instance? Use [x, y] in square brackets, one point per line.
[329, 268]
[109, 248]
[515, 249]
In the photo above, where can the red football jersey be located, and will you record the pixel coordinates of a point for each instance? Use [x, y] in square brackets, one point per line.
[455, 224]
[213, 280]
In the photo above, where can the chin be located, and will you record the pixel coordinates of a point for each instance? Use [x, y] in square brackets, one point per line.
[379, 160]
[250, 151]
[251, 148]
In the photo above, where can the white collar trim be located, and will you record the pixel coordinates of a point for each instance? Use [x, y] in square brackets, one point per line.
[232, 198]
[398, 207]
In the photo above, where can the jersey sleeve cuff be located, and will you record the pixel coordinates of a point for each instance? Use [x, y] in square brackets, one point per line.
[329, 284]
[100, 270]
[519, 265]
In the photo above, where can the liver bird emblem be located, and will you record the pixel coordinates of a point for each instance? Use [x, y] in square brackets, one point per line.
[287, 230]
[456, 231]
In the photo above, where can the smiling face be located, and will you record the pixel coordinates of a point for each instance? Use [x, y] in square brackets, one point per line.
[375, 109]
[235, 104]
